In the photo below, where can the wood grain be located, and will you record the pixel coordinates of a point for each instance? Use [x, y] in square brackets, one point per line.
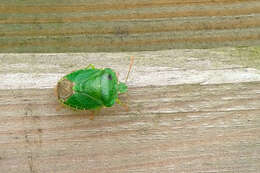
[175, 123]
[89, 26]
[182, 128]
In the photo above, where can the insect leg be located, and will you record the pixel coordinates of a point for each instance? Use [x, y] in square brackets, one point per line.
[94, 112]
[90, 65]
[123, 104]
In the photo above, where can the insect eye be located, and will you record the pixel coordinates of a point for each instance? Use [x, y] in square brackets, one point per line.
[109, 77]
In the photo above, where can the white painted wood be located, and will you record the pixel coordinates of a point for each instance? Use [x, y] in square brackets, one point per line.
[171, 67]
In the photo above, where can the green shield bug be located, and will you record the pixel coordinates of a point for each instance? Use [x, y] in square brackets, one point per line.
[90, 88]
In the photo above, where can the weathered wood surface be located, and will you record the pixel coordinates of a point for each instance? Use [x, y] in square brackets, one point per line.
[112, 25]
[198, 112]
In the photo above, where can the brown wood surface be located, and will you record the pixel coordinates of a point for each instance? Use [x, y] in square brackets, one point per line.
[112, 25]
[184, 115]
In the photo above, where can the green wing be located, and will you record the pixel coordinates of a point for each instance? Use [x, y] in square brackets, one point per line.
[83, 101]
[82, 75]
[87, 91]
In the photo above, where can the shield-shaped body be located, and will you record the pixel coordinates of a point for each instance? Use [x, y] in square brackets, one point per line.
[90, 89]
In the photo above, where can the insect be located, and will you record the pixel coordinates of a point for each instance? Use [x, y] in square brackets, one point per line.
[91, 88]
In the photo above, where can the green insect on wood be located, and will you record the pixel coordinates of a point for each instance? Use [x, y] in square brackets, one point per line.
[90, 88]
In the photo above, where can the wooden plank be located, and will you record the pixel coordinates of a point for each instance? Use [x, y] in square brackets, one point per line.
[186, 128]
[90, 26]
[184, 115]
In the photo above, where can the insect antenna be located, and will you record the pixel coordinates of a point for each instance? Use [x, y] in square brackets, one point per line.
[130, 67]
